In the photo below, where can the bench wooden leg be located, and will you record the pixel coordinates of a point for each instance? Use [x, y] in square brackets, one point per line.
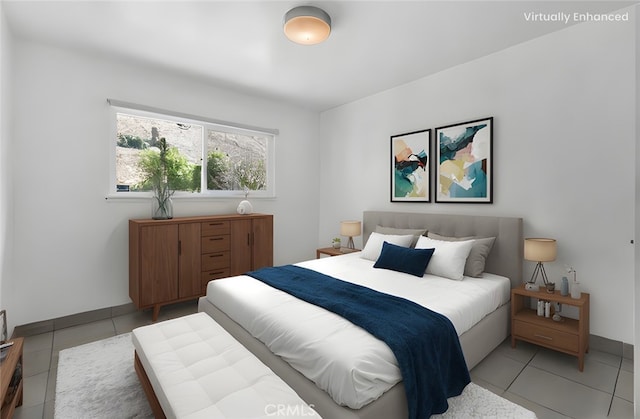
[148, 389]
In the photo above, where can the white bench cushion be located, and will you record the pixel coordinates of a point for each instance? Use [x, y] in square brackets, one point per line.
[198, 370]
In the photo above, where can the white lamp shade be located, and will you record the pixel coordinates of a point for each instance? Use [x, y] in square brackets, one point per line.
[307, 25]
[350, 228]
[540, 250]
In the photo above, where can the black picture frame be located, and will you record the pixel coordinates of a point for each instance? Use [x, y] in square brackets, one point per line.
[3, 326]
[465, 168]
[410, 156]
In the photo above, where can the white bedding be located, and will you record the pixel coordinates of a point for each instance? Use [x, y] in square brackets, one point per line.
[352, 366]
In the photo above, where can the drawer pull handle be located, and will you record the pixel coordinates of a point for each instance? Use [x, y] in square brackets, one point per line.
[216, 238]
[216, 256]
[216, 273]
[215, 224]
[543, 336]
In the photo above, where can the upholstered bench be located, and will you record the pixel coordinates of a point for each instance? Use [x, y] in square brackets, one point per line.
[190, 367]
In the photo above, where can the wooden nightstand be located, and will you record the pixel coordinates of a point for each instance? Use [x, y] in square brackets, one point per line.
[570, 336]
[11, 366]
[331, 251]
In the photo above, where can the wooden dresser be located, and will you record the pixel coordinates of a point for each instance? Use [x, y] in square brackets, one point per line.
[173, 260]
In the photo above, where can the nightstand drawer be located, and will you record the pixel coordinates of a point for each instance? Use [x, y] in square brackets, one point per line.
[215, 243]
[545, 336]
[213, 261]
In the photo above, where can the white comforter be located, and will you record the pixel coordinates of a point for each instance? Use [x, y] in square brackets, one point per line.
[351, 365]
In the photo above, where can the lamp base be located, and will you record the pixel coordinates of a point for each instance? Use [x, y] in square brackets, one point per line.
[350, 244]
[539, 270]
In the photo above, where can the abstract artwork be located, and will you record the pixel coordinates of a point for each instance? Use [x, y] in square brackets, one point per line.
[3, 326]
[410, 166]
[464, 171]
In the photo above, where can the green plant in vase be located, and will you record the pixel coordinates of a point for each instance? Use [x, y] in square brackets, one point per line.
[156, 168]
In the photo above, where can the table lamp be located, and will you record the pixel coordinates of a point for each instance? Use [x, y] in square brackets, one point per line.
[539, 250]
[350, 229]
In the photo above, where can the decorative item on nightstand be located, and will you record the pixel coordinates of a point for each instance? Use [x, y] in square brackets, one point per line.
[336, 242]
[539, 250]
[575, 285]
[564, 288]
[350, 229]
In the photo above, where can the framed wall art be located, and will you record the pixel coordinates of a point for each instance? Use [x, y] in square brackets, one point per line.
[410, 162]
[464, 168]
[3, 326]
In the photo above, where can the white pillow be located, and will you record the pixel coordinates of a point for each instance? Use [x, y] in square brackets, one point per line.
[448, 259]
[373, 247]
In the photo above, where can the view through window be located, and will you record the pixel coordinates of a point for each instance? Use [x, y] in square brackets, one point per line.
[203, 158]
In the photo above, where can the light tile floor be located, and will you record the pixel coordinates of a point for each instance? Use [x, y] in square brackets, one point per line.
[543, 381]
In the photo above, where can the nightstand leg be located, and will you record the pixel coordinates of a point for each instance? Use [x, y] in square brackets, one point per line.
[20, 396]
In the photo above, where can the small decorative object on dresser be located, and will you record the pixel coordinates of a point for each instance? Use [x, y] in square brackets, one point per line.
[245, 207]
[156, 174]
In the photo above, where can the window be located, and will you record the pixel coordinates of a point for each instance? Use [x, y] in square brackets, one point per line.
[205, 158]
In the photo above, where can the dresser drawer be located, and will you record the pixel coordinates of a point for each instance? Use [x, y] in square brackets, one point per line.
[212, 228]
[215, 261]
[211, 275]
[213, 244]
[546, 336]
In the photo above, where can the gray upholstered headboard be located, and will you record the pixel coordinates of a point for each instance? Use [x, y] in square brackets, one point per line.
[506, 255]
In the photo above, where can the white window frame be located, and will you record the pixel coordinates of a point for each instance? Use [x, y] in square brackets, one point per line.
[207, 124]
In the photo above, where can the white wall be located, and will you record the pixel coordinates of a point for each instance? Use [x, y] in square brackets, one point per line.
[70, 245]
[6, 209]
[563, 152]
[636, 348]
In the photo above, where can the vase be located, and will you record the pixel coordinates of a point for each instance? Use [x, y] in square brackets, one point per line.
[575, 290]
[564, 287]
[161, 208]
[245, 208]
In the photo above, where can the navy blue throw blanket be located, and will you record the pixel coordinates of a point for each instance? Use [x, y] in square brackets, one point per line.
[424, 342]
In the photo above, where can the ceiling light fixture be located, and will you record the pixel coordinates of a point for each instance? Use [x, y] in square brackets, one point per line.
[307, 25]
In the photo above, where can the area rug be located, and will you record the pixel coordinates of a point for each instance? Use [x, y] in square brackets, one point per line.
[97, 381]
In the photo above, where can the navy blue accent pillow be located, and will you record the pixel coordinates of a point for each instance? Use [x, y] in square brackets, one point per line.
[403, 259]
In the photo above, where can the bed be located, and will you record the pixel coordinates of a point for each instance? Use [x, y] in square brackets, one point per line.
[237, 302]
